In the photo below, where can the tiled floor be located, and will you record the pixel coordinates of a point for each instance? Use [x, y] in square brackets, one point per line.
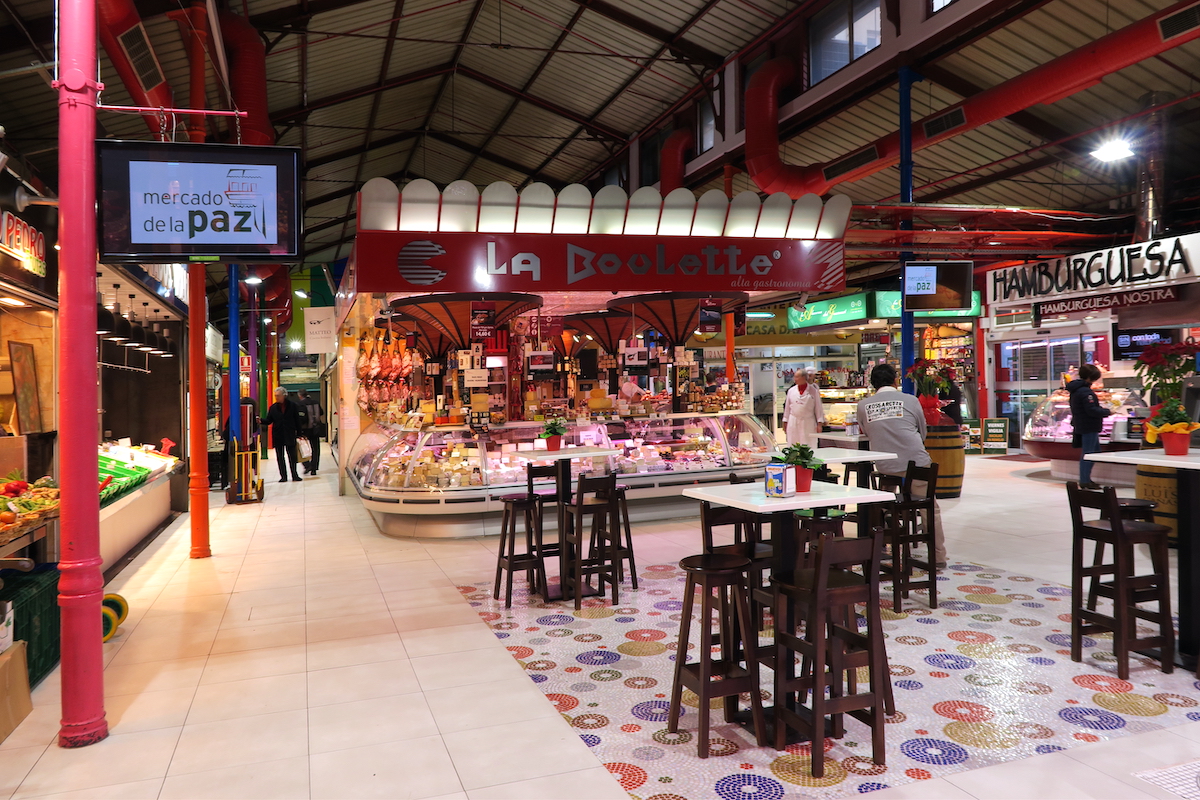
[314, 657]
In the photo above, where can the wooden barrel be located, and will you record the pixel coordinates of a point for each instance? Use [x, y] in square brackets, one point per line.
[1159, 485]
[945, 446]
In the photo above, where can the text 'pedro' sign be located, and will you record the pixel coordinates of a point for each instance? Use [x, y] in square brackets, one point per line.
[167, 202]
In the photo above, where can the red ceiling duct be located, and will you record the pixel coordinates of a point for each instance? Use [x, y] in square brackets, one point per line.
[248, 84]
[124, 39]
[1048, 83]
[671, 158]
[248, 77]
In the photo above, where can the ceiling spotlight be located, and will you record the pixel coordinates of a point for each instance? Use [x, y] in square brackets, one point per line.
[1112, 151]
[303, 295]
[295, 344]
[252, 280]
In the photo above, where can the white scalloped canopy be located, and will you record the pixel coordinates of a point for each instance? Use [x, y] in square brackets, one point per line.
[499, 209]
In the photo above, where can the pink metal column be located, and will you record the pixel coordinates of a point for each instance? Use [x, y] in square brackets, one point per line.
[81, 585]
[197, 411]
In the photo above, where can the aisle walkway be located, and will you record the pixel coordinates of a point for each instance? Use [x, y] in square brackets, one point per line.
[314, 657]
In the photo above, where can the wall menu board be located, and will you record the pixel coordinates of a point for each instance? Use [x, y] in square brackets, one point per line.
[164, 202]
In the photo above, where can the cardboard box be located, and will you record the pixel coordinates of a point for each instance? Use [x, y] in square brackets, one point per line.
[15, 703]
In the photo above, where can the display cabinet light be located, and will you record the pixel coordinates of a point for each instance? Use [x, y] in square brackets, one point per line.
[12, 301]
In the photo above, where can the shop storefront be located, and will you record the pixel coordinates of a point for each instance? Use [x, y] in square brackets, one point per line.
[443, 393]
[1047, 319]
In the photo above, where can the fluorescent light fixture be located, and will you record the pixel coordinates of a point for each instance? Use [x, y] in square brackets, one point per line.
[303, 295]
[12, 301]
[252, 280]
[760, 315]
[1112, 151]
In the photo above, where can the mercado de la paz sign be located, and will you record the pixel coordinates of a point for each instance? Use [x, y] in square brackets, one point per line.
[462, 241]
[1134, 266]
[168, 202]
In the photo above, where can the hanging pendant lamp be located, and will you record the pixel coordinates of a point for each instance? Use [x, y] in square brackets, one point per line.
[121, 328]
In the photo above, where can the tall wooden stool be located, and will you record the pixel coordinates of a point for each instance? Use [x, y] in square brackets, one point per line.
[1127, 590]
[845, 574]
[722, 677]
[915, 529]
[624, 540]
[509, 558]
[594, 501]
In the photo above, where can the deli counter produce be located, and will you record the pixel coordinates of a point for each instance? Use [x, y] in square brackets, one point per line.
[1048, 430]
[439, 470]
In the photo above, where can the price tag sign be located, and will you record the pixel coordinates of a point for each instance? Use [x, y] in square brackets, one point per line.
[475, 378]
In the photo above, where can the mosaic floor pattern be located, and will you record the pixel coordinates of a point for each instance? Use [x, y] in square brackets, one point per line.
[985, 678]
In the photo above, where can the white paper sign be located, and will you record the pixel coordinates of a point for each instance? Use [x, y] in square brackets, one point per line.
[320, 330]
[220, 204]
[475, 377]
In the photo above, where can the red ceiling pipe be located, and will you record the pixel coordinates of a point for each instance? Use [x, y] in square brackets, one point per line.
[247, 76]
[119, 21]
[193, 27]
[1048, 83]
[80, 585]
[671, 158]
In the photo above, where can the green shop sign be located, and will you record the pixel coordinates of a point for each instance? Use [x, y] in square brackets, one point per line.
[889, 305]
[850, 308]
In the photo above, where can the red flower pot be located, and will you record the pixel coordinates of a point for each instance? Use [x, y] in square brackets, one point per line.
[553, 442]
[1175, 444]
[804, 478]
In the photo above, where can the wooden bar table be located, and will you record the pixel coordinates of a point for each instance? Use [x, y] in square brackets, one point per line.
[563, 458]
[1187, 476]
[850, 456]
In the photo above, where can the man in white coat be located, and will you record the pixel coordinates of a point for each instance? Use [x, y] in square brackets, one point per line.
[802, 411]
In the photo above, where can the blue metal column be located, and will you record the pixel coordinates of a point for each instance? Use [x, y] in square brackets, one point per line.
[908, 339]
[235, 361]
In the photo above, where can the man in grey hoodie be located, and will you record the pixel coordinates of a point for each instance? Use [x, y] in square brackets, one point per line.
[895, 423]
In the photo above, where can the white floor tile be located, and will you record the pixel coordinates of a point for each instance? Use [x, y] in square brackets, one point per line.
[468, 667]
[1050, 777]
[234, 699]
[286, 779]
[121, 758]
[246, 740]
[421, 768]
[361, 682]
[517, 752]
[246, 664]
[596, 783]
[366, 722]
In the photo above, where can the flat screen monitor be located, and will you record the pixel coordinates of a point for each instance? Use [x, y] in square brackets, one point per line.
[164, 202]
[1128, 344]
[1191, 402]
[936, 285]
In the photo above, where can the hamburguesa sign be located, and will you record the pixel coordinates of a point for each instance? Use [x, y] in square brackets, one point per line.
[1136, 266]
[388, 261]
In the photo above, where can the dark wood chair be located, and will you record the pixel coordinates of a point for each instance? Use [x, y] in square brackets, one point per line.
[844, 574]
[591, 524]
[720, 580]
[1127, 590]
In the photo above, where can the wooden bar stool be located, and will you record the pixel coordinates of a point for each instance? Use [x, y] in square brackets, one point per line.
[594, 501]
[845, 574]
[531, 507]
[1133, 509]
[624, 539]
[915, 528]
[1127, 590]
[716, 677]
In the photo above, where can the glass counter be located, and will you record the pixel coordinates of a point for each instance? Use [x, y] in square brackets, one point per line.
[1051, 418]
[422, 470]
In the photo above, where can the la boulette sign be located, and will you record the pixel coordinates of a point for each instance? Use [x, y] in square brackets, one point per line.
[389, 261]
[1136, 266]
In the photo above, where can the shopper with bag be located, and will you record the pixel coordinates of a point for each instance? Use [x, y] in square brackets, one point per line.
[314, 432]
[286, 422]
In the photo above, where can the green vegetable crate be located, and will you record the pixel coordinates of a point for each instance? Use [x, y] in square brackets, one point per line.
[34, 596]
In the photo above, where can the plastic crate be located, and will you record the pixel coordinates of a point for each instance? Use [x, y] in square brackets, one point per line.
[35, 605]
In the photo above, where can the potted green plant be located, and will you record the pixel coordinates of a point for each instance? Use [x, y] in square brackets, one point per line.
[802, 460]
[553, 431]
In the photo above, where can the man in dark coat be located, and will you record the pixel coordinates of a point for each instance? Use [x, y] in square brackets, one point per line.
[315, 429]
[285, 420]
[1087, 420]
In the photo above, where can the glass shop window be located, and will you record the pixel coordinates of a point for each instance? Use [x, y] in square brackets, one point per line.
[706, 125]
[843, 31]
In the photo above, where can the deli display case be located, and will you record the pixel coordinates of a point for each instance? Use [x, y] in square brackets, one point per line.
[412, 478]
[1048, 433]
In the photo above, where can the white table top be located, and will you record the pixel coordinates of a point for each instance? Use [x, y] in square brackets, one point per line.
[843, 455]
[853, 438]
[1148, 458]
[566, 452]
[750, 496]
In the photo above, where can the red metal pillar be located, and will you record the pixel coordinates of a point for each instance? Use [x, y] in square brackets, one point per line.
[81, 585]
[193, 27]
[197, 408]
